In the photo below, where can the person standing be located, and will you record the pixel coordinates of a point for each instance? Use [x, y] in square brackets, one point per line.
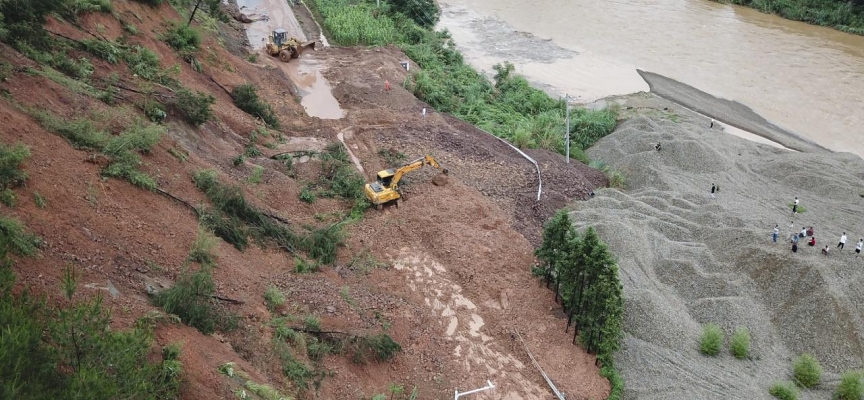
[776, 232]
[825, 250]
[858, 248]
[712, 124]
[795, 206]
[842, 243]
[424, 115]
[713, 189]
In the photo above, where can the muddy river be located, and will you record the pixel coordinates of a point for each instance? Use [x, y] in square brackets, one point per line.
[804, 78]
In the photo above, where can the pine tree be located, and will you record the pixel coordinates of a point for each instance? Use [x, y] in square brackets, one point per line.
[595, 258]
[554, 246]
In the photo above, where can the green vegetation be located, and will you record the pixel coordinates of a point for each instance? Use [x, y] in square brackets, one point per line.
[508, 107]
[307, 195]
[800, 210]
[807, 371]
[851, 386]
[246, 98]
[263, 391]
[256, 175]
[152, 3]
[14, 239]
[312, 323]
[844, 15]
[338, 178]
[70, 352]
[193, 107]
[8, 198]
[191, 298]
[274, 298]
[586, 279]
[123, 150]
[39, 200]
[183, 38]
[380, 347]
[739, 344]
[784, 391]
[302, 266]
[202, 249]
[711, 340]
[234, 220]
[11, 160]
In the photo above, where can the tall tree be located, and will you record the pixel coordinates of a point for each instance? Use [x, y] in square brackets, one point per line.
[554, 246]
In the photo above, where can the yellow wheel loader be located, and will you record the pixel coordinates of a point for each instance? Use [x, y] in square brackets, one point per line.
[386, 188]
[280, 45]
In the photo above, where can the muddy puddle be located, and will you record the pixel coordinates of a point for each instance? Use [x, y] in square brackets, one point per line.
[314, 90]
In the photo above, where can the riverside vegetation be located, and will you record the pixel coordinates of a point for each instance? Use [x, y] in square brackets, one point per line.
[844, 15]
[507, 107]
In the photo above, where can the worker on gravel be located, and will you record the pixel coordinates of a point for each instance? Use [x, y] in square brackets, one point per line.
[776, 232]
[386, 85]
[842, 243]
[795, 206]
[858, 248]
[713, 189]
[825, 250]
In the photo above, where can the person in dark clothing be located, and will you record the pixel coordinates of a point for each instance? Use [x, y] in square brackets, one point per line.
[657, 146]
[713, 189]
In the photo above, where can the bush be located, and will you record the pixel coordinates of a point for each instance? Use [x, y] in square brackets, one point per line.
[74, 8]
[807, 371]
[851, 387]
[784, 391]
[307, 195]
[312, 323]
[11, 159]
[15, 240]
[274, 298]
[302, 266]
[183, 38]
[151, 3]
[202, 249]
[8, 198]
[711, 340]
[256, 175]
[739, 344]
[103, 49]
[617, 180]
[194, 107]
[246, 98]
[190, 299]
[380, 347]
[39, 200]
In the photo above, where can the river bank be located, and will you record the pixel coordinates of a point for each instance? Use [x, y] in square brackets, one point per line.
[801, 78]
[844, 16]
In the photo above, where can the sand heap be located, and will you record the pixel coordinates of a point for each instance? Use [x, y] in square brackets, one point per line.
[687, 259]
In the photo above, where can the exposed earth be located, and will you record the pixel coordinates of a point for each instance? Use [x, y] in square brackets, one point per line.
[446, 274]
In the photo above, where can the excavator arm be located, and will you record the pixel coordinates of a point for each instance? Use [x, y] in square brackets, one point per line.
[412, 166]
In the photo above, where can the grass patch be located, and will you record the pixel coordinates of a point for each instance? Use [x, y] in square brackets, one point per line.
[307, 195]
[274, 298]
[392, 158]
[302, 266]
[12, 158]
[851, 387]
[14, 239]
[364, 262]
[739, 344]
[807, 371]
[8, 198]
[312, 323]
[256, 175]
[202, 249]
[800, 210]
[380, 348]
[193, 107]
[183, 38]
[841, 15]
[246, 98]
[711, 340]
[39, 200]
[191, 299]
[784, 391]
[346, 295]
[233, 214]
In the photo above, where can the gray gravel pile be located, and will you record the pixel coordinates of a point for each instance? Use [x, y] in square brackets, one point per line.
[687, 259]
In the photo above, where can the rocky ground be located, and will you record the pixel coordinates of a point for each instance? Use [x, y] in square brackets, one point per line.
[688, 259]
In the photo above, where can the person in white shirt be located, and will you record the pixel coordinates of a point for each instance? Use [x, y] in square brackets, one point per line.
[803, 232]
[776, 232]
[795, 206]
[825, 250]
[858, 248]
[842, 243]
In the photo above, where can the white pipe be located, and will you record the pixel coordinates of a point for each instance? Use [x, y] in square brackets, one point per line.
[489, 386]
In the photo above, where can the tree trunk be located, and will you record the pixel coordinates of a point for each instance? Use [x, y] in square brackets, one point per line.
[191, 17]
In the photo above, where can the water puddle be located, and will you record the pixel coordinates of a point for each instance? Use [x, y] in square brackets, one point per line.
[315, 92]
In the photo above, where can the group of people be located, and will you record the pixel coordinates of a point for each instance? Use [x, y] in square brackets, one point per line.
[810, 233]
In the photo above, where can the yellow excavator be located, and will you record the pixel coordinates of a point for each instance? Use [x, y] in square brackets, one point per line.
[280, 45]
[386, 188]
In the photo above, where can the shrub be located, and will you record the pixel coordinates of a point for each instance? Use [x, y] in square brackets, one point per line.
[851, 387]
[105, 50]
[257, 175]
[151, 3]
[784, 391]
[74, 8]
[154, 110]
[183, 38]
[316, 350]
[312, 323]
[202, 248]
[40, 200]
[15, 240]
[11, 159]
[246, 98]
[617, 180]
[739, 344]
[807, 371]
[302, 266]
[307, 195]
[8, 198]
[194, 107]
[274, 298]
[380, 347]
[190, 299]
[79, 69]
[711, 340]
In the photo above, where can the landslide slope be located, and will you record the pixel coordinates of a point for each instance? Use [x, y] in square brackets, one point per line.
[446, 275]
[688, 259]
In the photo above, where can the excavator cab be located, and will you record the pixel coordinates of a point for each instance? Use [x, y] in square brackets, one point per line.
[385, 177]
[280, 36]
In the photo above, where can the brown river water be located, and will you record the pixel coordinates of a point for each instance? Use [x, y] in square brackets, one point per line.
[807, 79]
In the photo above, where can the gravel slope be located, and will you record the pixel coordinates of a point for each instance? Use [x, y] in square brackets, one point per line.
[687, 259]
